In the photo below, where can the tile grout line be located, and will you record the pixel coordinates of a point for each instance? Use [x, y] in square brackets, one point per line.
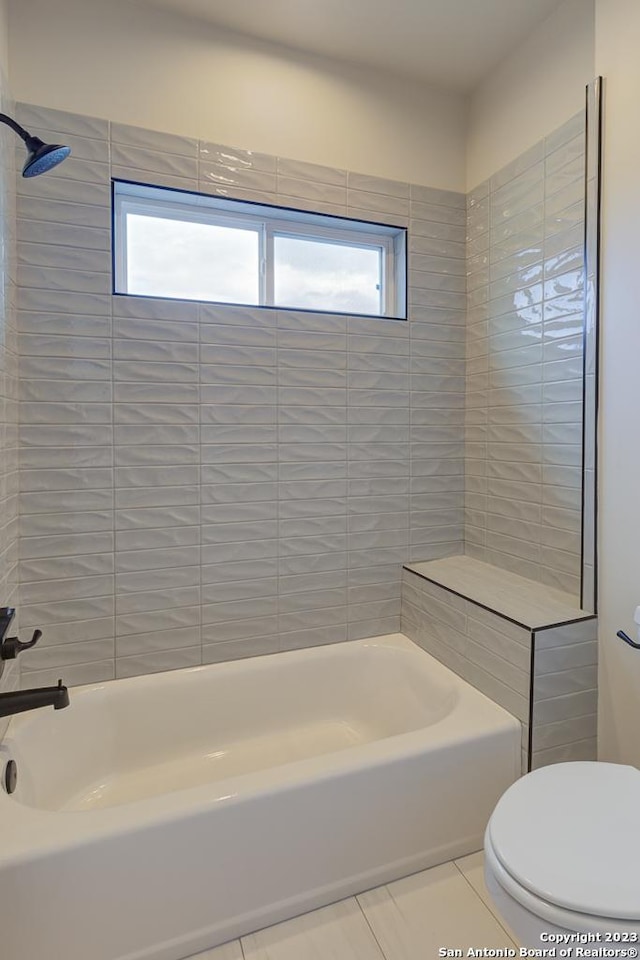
[496, 917]
[368, 923]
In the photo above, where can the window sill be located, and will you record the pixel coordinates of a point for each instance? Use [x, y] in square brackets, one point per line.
[257, 306]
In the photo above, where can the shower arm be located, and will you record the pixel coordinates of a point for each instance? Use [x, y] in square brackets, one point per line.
[22, 133]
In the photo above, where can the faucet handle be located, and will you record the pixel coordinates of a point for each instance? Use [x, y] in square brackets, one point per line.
[12, 646]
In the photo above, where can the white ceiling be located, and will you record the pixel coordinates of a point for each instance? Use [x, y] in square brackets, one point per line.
[450, 43]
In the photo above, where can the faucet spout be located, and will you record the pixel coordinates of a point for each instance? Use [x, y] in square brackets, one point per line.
[19, 701]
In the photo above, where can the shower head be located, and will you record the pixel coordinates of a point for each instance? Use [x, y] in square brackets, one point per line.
[40, 156]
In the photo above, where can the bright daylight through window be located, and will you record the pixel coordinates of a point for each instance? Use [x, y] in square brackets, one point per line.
[168, 243]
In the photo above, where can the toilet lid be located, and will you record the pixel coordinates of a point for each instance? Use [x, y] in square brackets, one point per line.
[570, 834]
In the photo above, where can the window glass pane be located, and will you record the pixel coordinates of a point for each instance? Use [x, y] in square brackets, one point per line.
[315, 274]
[193, 261]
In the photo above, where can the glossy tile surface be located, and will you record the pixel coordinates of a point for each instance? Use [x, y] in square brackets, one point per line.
[486, 650]
[203, 482]
[340, 930]
[226, 951]
[472, 868]
[565, 694]
[525, 281]
[415, 916]
[527, 602]
[409, 919]
[506, 636]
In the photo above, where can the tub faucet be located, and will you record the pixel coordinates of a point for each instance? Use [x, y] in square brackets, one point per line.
[19, 701]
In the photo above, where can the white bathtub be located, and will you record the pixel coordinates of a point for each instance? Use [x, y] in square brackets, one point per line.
[162, 815]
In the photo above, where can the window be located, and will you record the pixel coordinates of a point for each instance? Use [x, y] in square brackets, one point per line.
[169, 243]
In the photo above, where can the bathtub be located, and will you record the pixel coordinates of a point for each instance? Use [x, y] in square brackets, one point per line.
[162, 815]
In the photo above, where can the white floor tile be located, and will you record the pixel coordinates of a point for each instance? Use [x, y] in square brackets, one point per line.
[411, 918]
[472, 867]
[447, 906]
[337, 932]
[226, 951]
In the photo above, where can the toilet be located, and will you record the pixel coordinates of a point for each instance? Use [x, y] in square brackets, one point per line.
[562, 856]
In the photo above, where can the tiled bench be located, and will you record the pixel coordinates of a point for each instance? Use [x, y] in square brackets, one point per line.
[524, 645]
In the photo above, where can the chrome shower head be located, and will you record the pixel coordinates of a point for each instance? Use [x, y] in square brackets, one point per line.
[41, 156]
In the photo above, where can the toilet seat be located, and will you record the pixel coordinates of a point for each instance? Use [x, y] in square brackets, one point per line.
[551, 915]
[564, 842]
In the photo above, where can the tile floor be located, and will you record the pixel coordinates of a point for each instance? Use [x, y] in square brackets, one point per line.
[446, 906]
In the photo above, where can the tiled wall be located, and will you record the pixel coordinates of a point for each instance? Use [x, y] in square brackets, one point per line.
[202, 483]
[486, 650]
[524, 355]
[8, 384]
[565, 694]
[500, 658]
